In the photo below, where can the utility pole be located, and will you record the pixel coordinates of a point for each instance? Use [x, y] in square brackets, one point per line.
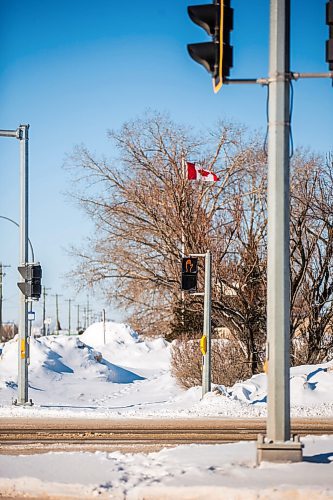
[78, 318]
[57, 328]
[87, 313]
[278, 445]
[2, 274]
[84, 318]
[44, 309]
[69, 315]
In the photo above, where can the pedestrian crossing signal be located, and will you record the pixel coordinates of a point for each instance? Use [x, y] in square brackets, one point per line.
[189, 274]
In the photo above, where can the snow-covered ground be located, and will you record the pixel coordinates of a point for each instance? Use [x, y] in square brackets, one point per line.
[186, 472]
[80, 376]
[126, 376]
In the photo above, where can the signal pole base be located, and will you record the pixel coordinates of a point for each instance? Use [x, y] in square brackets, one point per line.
[26, 403]
[279, 451]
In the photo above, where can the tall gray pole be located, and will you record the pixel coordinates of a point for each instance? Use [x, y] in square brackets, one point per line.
[278, 446]
[23, 321]
[278, 269]
[207, 358]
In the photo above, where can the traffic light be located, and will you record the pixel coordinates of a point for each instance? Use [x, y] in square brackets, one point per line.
[32, 275]
[216, 56]
[189, 274]
[329, 42]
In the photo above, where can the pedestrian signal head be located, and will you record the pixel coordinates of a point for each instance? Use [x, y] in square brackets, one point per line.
[189, 274]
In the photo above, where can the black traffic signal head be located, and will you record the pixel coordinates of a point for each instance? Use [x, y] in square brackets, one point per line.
[189, 274]
[205, 54]
[329, 42]
[216, 56]
[206, 16]
[32, 275]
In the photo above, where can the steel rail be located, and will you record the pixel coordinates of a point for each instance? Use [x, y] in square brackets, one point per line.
[71, 434]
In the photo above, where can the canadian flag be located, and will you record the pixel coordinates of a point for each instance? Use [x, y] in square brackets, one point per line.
[195, 173]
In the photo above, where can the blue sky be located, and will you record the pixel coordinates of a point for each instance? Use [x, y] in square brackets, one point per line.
[72, 69]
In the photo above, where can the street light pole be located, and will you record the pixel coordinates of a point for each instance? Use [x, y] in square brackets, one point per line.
[21, 133]
[23, 322]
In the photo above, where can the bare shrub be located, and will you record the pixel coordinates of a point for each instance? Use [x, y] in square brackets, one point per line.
[228, 362]
[8, 332]
[186, 362]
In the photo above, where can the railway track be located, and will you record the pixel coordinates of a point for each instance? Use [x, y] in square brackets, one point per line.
[39, 435]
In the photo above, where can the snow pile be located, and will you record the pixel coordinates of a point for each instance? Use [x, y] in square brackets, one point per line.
[112, 371]
[118, 333]
[124, 346]
[76, 373]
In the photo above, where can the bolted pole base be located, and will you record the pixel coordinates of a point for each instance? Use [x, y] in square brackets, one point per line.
[279, 451]
[26, 403]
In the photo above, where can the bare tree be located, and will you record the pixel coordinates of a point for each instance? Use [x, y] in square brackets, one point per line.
[312, 259]
[143, 208]
[142, 204]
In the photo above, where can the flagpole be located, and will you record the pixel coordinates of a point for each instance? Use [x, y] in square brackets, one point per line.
[183, 212]
[183, 240]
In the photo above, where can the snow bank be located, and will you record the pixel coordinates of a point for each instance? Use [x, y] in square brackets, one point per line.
[130, 376]
[118, 333]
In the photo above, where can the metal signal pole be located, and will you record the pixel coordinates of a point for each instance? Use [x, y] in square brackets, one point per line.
[207, 327]
[21, 133]
[23, 323]
[206, 342]
[278, 445]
